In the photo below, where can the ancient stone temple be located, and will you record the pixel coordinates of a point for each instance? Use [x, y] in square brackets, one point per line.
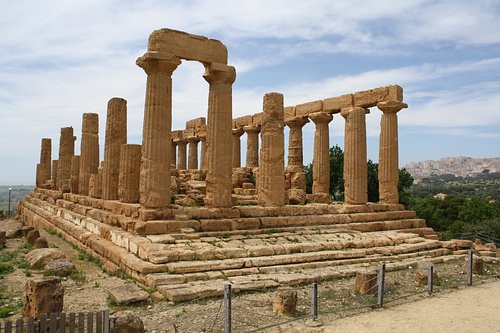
[180, 212]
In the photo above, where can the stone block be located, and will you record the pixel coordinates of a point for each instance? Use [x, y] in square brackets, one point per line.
[43, 295]
[305, 109]
[370, 98]
[215, 225]
[285, 302]
[257, 119]
[335, 104]
[395, 93]
[289, 113]
[241, 122]
[127, 294]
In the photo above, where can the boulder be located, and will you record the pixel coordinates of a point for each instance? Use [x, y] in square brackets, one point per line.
[128, 322]
[38, 258]
[41, 243]
[32, 236]
[285, 302]
[43, 295]
[60, 267]
[11, 227]
[127, 294]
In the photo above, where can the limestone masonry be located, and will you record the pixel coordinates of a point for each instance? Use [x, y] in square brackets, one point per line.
[180, 214]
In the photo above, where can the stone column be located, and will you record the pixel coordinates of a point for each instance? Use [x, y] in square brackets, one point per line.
[116, 136]
[66, 153]
[173, 154]
[44, 174]
[89, 151]
[321, 155]
[75, 174]
[130, 168]
[295, 153]
[53, 177]
[181, 152]
[271, 180]
[203, 153]
[154, 184]
[388, 164]
[252, 159]
[219, 144]
[355, 157]
[193, 152]
[237, 133]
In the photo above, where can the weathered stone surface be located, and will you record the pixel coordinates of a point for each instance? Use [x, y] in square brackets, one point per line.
[38, 258]
[43, 295]
[128, 322]
[3, 239]
[127, 294]
[422, 273]
[41, 243]
[365, 283]
[60, 267]
[11, 227]
[32, 236]
[285, 302]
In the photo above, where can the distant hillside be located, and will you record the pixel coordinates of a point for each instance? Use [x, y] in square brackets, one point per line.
[458, 166]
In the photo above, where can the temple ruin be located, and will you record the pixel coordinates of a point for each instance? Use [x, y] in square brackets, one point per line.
[180, 214]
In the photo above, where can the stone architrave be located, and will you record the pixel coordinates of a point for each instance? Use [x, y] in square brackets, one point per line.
[44, 171]
[271, 180]
[219, 143]
[154, 184]
[66, 153]
[89, 151]
[181, 153]
[75, 174]
[355, 156]
[321, 154]
[193, 152]
[116, 136]
[252, 156]
[54, 174]
[388, 164]
[130, 167]
[237, 133]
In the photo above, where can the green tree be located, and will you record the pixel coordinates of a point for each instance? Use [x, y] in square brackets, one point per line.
[337, 173]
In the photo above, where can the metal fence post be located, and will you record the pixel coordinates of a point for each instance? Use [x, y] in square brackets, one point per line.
[469, 267]
[227, 308]
[314, 300]
[381, 279]
[430, 279]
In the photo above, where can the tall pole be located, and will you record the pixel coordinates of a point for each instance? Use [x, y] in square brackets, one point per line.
[8, 211]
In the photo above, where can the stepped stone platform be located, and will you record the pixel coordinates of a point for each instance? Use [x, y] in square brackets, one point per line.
[195, 251]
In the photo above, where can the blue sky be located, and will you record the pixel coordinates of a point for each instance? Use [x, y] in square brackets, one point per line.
[59, 59]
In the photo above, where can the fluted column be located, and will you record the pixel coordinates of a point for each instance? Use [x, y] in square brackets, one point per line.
[173, 154]
[130, 167]
[237, 133]
[388, 165]
[53, 176]
[181, 153]
[66, 153]
[271, 179]
[154, 185]
[252, 159]
[44, 171]
[89, 151]
[355, 157]
[75, 174]
[116, 136]
[295, 149]
[193, 152]
[219, 144]
[321, 154]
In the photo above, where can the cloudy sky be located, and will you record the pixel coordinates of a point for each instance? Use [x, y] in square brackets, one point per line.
[59, 59]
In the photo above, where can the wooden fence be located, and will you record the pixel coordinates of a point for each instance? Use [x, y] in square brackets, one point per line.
[83, 322]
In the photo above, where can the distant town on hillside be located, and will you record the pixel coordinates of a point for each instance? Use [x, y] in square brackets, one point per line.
[458, 166]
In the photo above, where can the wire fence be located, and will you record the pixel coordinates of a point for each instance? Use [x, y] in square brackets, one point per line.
[260, 310]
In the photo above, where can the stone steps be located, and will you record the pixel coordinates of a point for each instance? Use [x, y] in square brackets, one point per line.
[251, 247]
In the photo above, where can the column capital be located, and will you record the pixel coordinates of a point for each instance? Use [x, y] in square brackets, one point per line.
[193, 139]
[320, 117]
[251, 129]
[219, 73]
[346, 111]
[391, 106]
[296, 122]
[238, 131]
[180, 141]
[156, 62]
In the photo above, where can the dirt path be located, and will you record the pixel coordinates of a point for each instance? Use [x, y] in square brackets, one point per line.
[473, 309]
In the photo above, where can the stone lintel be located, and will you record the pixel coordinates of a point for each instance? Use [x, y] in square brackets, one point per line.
[289, 112]
[194, 123]
[188, 132]
[188, 46]
[257, 119]
[335, 104]
[242, 121]
[201, 131]
[177, 134]
[370, 98]
[305, 109]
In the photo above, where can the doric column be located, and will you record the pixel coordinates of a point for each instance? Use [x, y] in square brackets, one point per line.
[130, 168]
[321, 154]
[237, 133]
[252, 159]
[388, 164]
[66, 153]
[181, 153]
[75, 174]
[271, 179]
[295, 149]
[173, 154]
[116, 136]
[53, 176]
[193, 152]
[89, 151]
[355, 158]
[154, 185]
[203, 153]
[219, 144]
[44, 173]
